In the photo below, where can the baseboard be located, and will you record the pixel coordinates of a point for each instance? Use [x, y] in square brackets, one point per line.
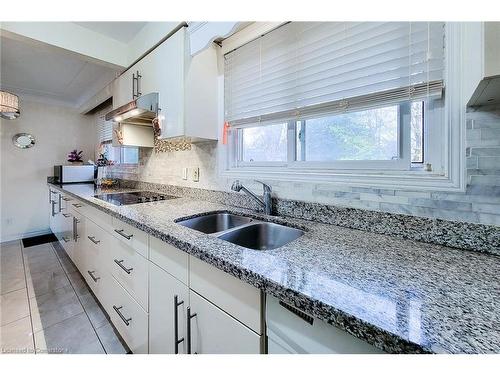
[20, 236]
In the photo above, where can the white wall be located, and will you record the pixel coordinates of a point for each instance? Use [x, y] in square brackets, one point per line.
[24, 199]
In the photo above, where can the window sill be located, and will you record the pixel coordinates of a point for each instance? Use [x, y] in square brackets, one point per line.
[412, 179]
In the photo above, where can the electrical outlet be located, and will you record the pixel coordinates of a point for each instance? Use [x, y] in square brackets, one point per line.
[184, 173]
[196, 174]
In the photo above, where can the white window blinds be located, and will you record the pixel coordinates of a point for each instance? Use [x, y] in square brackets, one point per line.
[104, 128]
[304, 68]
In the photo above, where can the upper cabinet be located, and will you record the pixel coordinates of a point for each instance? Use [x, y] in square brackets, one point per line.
[482, 62]
[187, 88]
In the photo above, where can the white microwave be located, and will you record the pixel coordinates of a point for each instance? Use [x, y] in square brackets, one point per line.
[65, 174]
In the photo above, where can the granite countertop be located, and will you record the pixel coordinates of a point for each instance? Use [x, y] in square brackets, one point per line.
[400, 295]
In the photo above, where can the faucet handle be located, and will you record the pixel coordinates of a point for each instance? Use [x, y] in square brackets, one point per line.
[266, 187]
[236, 186]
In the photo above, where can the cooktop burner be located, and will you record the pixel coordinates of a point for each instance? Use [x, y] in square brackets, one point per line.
[133, 197]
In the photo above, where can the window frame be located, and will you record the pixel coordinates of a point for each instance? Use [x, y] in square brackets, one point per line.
[402, 163]
[445, 145]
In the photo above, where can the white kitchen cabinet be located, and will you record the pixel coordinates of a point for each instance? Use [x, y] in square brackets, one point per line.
[67, 240]
[215, 332]
[96, 257]
[232, 295]
[290, 330]
[168, 302]
[481, 78]
[171, 259]
[127, 317]
[81, 241]
[187, 87]
[163, 72]
[122, 88]
[131, 236]
[130, 269]
[54, 210]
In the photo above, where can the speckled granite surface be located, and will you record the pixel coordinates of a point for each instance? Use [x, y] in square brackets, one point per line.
[463, 235]
[400, 295]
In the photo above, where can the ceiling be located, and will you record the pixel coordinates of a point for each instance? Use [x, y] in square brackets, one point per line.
[63, 77]
[122, 31]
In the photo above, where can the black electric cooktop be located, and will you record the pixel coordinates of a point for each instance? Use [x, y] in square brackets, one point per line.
[133, 197]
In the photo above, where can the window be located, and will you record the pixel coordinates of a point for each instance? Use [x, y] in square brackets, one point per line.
[121, 155]
[264, 143]
[338, 95]
[129, 155]
[369, 135]
[365, 135]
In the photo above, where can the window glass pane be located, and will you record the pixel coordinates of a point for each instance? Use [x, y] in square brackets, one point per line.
[417, 132]
[365, 135]
[130, 155]
[264, 143]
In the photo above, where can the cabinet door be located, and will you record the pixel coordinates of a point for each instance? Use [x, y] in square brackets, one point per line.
[163, 72]
[215, 332]
[67, 232]
[80, 241]
[164, 313]
[122, 88]
[53, 210]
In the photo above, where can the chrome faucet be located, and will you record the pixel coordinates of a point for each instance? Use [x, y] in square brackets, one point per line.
[265, 202]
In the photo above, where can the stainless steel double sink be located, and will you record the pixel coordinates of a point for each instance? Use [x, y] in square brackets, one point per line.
[243, 230]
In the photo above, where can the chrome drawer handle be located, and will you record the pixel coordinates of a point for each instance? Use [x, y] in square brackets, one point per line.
[177, 340]
[120, 232]
[66, 215]
[91, 273]
[125, 320]
[77, 205]
[119, 262]
[65, 239]
[92, 238]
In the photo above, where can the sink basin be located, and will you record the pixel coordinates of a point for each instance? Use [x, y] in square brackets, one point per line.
[262, 236]
[213, 223]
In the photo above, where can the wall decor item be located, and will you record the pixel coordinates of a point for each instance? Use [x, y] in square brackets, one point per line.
[23, 140]
[75, 156]
[9, 106]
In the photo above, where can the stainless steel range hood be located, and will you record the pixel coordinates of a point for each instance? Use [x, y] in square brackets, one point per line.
[140, 111]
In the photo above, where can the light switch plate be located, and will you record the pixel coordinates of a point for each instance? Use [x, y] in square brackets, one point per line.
[196, 174]
[184, 173]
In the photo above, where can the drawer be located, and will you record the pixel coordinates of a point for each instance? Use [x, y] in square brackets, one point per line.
[98, 243]
[171, 259]
[232, 295]
[101, 218]
[133, 237]
[98, 279]
[131, 270]
[128, 318]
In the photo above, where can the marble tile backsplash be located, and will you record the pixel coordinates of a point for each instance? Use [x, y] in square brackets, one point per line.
[479, 204]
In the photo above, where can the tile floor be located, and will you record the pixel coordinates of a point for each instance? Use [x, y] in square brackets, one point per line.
[46, 306]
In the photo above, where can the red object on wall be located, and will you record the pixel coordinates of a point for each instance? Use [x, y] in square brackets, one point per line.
[224, 133]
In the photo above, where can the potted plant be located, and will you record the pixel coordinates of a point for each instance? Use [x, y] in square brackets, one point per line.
[75, 157]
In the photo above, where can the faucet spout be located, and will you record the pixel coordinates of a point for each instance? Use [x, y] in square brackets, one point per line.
[265, 202]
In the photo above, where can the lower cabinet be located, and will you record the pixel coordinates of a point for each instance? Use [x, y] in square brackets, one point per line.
[215, 332]
[127, 316]
[168, 302]
[80, 240]
[162, 300]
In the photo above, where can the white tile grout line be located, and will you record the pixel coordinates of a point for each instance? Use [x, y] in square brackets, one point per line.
[21, 246]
